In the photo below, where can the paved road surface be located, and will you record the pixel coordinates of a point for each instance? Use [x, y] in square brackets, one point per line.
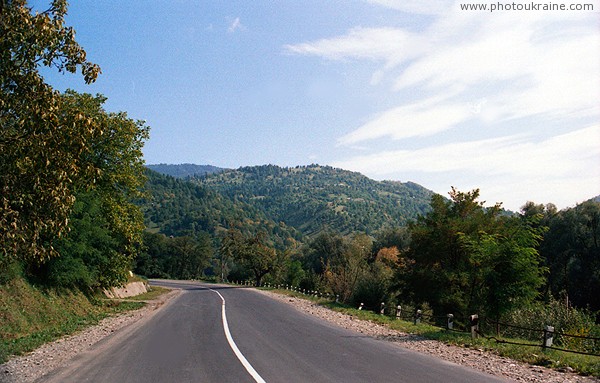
[186, 342]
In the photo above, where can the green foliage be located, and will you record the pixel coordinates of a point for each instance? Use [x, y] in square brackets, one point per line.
[177, 207]
[42, 142]
[564, 319]
[55, 148]
[315, 198]
[184, 257]
[571, 250]
[294, 273]
[337, 262]
[251, 252]
[466, 258]
[91, 253]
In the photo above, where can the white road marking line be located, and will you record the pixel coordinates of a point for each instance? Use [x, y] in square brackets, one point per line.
[234, 347]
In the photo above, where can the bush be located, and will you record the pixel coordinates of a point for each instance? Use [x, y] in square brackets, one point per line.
[566, 320]
[69, 272]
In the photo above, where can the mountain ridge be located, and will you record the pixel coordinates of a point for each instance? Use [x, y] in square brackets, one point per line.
[313, 198]
[184, 170]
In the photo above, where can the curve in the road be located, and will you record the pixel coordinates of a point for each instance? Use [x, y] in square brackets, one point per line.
[255, 375]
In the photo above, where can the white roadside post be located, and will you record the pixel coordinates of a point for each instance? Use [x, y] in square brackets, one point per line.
[474, 326]
[548, 336]
[418, 315]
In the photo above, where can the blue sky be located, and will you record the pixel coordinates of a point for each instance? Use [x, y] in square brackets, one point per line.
[421, 91]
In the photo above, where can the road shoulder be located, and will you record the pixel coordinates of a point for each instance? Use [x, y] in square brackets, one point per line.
[30, 367]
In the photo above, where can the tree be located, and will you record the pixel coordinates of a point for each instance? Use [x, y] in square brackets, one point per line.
[114, 155]
[41, 142]
[571, 250]
[342, 271]
[252, 252]
[189, 255]
[90, 255]
[508, 272]
[467, 258]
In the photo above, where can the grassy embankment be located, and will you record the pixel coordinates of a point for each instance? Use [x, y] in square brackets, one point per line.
[30, 316]
[582, 364]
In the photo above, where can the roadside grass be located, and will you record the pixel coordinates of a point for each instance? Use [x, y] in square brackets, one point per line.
[31, 317]
[559, 360]
[153, 293]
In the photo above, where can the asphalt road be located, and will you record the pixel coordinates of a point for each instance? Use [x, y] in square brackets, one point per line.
[268, 341]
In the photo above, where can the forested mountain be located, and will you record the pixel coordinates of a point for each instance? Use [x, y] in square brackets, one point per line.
[178, 207]
[313, 198]
[185, 170]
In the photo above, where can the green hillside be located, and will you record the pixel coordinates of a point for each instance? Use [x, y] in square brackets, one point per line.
[313, 198]
[177, 207]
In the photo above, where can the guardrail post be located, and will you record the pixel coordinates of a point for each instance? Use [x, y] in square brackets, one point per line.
[474, 326]
[548, 336]
[450, 323]
[398, 312]
[418, 315]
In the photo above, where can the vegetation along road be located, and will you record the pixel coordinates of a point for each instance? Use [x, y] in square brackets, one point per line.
[265, 340]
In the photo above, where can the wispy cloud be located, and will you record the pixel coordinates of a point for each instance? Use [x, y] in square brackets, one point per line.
[495, 71]
[388, 45]
[420, 119]
[509, 154]
[235, 25]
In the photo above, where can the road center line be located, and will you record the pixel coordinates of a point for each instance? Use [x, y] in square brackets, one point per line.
[234, 347]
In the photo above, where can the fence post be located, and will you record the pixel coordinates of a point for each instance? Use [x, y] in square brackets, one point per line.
[474, 326]
[418, 315]
[450, 323]
[398, 312]
[382, 311]
[361, 306]
[548, 335]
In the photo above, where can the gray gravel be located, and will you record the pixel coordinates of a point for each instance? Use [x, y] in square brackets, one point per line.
[475, 358]
[28, 368]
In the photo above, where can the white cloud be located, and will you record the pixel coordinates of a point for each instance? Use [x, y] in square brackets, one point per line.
[235, 25]
[563, 155]
[424, 118]
[389, 45]
[534, 70]
[523, 63]
[561, 169]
